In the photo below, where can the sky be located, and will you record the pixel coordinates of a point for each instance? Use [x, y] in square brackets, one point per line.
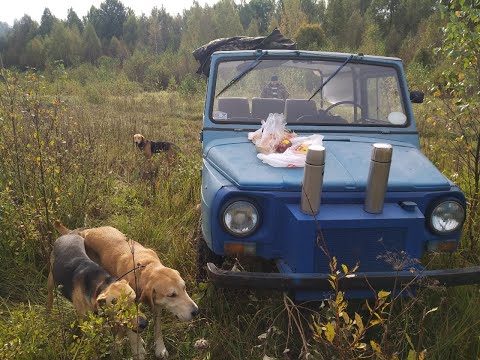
[11, 10]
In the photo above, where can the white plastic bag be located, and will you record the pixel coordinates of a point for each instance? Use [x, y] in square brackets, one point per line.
[295, 155]
[270, 134]
[286, 159]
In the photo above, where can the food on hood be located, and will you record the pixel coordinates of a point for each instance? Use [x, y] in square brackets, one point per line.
[302, 148]
[283, 145]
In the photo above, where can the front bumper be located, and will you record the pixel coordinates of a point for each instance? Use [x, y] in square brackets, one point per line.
[359, 281]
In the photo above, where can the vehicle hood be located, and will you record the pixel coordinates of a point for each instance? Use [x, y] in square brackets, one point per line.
[346, 167]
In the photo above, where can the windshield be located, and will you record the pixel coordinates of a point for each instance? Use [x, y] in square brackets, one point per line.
[352, 94]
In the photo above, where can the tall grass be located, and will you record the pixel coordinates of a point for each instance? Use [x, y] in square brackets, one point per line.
[66, 152]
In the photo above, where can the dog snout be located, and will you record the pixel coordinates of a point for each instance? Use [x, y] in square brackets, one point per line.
[142, 323]
[194, 311]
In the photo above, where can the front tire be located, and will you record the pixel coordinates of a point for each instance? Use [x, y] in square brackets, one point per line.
[204, 255]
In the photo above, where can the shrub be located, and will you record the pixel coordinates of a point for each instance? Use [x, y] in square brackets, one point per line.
[136, 66]
[191, 85]
[156, 77]
[99, 331]
[83, 74]
[27, 334]
[310, 37]
[94, 94]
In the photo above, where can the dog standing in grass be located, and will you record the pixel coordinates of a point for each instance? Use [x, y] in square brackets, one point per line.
[157, 286]
[149, 147]
[88, 286]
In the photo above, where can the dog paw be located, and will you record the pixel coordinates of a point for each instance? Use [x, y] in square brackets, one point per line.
[161, 353]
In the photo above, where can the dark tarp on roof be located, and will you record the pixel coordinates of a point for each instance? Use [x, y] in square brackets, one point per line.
[273, 41]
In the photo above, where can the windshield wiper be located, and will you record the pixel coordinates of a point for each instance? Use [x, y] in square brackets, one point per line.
[331, 76]
[249, 68]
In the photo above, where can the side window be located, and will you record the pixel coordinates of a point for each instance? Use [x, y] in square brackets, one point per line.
[384, 99]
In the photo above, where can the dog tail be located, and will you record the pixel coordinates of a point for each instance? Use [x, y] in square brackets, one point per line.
[61, 228]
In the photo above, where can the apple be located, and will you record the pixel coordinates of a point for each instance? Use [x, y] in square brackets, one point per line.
[283, 145]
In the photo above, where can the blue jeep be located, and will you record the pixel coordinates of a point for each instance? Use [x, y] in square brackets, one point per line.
[252, 209]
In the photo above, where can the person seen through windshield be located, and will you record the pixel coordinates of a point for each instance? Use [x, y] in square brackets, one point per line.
[275, 89]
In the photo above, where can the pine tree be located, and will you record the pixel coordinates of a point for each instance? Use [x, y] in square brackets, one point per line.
[92, 48]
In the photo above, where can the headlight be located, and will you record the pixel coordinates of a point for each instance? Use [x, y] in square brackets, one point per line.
[447, 217]
[240, 218]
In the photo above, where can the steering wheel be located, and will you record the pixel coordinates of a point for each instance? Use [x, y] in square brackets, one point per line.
[344, 103]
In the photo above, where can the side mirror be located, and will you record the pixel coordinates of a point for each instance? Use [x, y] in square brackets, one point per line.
[417, 97]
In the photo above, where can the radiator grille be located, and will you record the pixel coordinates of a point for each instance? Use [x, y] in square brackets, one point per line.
[375, 250]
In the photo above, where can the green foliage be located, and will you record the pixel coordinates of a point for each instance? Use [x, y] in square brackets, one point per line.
[135, 67]
[292, 17]
[84, 73]
[335, 22]
[94, 94]
[92, 49]
[419, 47]
[130, 32]
[315, 10]
[22, 32]
[35, 54]
[118, 49]
[252, 29]
[460, 94]
[164, 31]
[199, 27]
[310, 37]
[73, 21]
[29, 158]
[354, 30]
[4, 29]
[336, 333]
[26, 333]
[47, 23]
[226, 19]
[154, 72]
[156, 77]
[100, 331]
[37, 150]
[263, 11]
[191, 85]
[64, 44]
[378, 27]
[372, 42]
[108, 20]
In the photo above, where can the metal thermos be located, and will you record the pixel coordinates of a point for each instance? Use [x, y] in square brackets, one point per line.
[313, 180]
[378, 177]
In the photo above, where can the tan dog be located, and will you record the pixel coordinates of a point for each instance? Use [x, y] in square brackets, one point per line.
[150, 147]
[157, 286]
[88, 286]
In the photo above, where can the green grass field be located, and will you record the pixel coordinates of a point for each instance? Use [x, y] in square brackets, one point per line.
[66, 152]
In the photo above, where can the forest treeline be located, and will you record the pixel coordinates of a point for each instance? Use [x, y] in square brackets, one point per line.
[155, 49]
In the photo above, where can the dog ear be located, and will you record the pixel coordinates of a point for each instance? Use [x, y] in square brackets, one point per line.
[148, 296]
